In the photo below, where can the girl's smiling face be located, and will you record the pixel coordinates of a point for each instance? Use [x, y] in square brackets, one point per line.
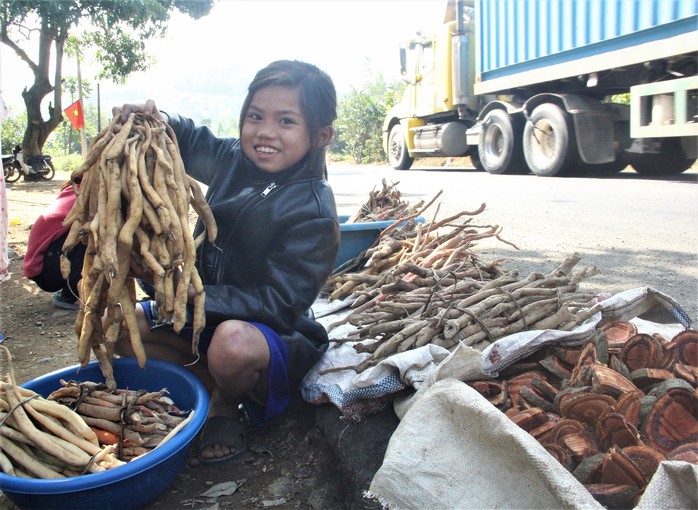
[274, 132]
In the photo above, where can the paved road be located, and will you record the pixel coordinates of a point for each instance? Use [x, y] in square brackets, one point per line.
[638, 231]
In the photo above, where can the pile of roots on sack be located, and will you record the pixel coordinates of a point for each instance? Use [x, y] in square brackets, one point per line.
[386, 203]
[132, 212]
[421, 283]
[611, 410]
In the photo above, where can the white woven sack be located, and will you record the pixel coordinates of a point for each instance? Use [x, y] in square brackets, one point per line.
[455, 450]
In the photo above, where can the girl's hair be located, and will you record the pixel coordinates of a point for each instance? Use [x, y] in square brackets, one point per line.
[318, 95]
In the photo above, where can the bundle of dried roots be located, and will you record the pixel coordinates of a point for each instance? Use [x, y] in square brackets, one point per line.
[384, 204]
[132, 212]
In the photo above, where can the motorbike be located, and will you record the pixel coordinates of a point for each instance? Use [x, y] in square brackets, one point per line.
[34, 169]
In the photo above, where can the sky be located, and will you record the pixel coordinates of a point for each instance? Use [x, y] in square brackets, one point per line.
[204, 66]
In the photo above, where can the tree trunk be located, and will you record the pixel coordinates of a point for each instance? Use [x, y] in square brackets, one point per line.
[38, 130]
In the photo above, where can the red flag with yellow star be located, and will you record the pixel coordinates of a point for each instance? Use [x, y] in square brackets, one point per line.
[74, 114]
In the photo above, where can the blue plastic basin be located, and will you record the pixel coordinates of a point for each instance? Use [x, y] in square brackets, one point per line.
[138, 482]
[357, 237]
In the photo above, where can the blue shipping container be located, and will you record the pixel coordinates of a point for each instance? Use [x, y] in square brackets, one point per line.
[515, 36]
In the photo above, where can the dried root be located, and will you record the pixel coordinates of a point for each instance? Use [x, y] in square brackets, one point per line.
[421, 283]
[132, 212]
[40, 438]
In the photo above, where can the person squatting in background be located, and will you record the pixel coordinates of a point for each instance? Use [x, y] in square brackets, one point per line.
[44, 247]
[277, 243]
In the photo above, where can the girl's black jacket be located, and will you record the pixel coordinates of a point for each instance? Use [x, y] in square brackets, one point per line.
[278, 238]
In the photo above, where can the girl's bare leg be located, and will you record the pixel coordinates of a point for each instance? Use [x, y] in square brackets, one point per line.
[236, 364]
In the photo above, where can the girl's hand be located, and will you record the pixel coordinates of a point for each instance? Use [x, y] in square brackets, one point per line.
[148, 108]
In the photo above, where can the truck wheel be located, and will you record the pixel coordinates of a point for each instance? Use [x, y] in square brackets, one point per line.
[548, 141]
[500, 144]
[475, 161]
[398, 156]
[670, 160]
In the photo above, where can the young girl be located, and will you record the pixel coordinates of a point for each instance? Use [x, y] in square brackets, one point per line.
[277, 243]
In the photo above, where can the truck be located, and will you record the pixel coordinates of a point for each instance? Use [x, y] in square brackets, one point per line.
[552, 87]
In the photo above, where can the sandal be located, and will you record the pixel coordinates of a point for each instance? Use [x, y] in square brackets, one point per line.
[224, 431]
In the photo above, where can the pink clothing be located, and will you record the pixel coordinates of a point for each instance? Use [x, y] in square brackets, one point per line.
[4, 226]
[46, 229]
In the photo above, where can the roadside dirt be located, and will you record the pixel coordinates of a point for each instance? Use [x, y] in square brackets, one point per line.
[289, 463]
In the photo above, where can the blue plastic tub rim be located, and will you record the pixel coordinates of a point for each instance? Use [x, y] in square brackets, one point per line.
[371, 225]
[155, 457]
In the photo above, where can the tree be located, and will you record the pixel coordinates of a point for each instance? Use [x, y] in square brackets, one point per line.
[12, 128]
[119, 32]
[359, 125]
[360, 119]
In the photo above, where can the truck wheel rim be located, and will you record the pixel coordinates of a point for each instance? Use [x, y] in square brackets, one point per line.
[494, 145]
[395, 148]
[547, 143]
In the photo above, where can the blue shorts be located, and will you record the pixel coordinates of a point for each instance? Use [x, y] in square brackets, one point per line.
[279, 389]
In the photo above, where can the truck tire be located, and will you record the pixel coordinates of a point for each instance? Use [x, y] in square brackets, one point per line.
[670, 160]
[499, 145]
[398, 155]
[548, 141]
[475, 161]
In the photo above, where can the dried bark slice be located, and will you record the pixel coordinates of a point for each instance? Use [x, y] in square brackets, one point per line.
[641, 351]
[586, 408]
[526, 377]
[620, 367]
[614, 496]
[543, 432]
[535, 398]
[581, 375]
[568, 355]
[560, 454]
[687, 398]
[646, 458]
[494, 391]
[529, 419]
[669, 358]
[617, 333]
[687, 373]
[589, 470]
[519, 368]
[565, 427]
[686, 344]
[629, 406]
[601, 348]
[511, 411]
[670, 423]
[648, 378]
[515, 384]
[564, 395]
[545, 388]
[613, 430]
[666, 386]
[619, 469]
[607, 381]
[687, 453]
[581, 444]
[646, 405]
[589, 355]
[557, 367]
